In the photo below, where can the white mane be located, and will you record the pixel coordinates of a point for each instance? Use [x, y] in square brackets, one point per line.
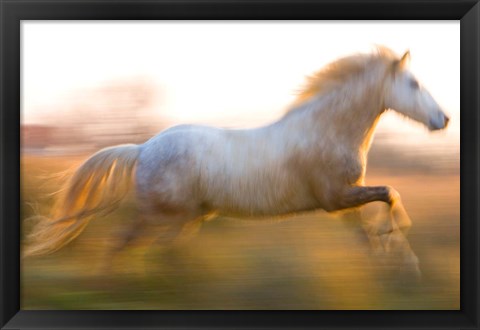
[339, 72]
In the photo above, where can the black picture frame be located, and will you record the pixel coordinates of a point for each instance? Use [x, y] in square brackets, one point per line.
[14, 11]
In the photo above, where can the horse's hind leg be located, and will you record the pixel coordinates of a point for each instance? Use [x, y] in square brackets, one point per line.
[163, 232]
[172, 232]
[128, 235]
[131, 233]
[177, 229]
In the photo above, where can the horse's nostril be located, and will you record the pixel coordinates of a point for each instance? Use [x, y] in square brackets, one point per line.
[446, 120]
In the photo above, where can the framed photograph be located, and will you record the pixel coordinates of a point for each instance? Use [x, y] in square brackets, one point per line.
[239, 164]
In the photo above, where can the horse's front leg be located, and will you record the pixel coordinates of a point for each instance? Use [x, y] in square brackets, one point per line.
[366, 231]
[359, 195]
[393, 239]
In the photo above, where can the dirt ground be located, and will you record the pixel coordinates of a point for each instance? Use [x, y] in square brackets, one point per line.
[310, 261]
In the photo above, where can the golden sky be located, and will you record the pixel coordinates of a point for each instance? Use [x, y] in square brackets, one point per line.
[239, 74]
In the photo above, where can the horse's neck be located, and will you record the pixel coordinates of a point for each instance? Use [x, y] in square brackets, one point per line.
[331, 119]
[351, 123]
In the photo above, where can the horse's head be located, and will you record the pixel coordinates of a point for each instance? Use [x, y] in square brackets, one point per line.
[405, 95]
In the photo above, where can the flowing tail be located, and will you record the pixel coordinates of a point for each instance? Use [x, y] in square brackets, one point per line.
[97, 187]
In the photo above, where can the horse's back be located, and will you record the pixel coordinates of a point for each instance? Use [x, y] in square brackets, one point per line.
[167, 167]
[232, 171]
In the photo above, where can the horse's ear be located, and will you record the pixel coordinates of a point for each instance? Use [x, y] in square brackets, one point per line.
[402, 62]
[405, 59]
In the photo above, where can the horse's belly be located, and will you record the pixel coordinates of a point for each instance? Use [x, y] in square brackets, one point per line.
[257, 199]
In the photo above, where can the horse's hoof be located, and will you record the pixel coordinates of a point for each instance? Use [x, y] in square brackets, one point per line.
[410, 271]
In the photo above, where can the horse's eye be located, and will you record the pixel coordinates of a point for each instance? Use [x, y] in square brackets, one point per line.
[414, 84]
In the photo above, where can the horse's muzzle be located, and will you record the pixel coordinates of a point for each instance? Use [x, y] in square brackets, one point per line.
[439, 122]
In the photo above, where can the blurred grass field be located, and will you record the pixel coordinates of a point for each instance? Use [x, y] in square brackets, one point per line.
[311, 261]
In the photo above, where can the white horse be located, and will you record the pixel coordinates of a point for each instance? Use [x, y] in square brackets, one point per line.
[314, 157]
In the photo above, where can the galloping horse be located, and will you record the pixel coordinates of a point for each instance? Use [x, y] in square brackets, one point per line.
[313, 157]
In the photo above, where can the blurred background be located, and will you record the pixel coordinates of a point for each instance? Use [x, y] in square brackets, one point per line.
[88, 85]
